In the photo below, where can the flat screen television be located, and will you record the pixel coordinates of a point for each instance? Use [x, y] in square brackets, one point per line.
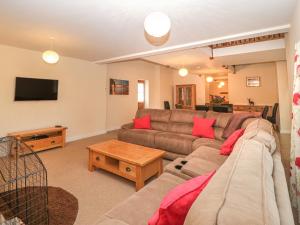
[33, 89]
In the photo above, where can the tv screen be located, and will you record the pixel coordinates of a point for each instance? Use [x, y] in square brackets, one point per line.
[31, 89]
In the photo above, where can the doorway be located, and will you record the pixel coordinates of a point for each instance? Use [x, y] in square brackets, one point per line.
[141, 94]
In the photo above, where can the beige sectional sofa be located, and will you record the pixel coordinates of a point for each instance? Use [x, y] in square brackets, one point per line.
[249, 187]
[172, 131]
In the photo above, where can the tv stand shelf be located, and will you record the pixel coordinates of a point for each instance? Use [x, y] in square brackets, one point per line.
[42, 139]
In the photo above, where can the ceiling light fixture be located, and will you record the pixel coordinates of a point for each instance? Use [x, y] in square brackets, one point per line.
[183, 72]
[221, 84]
[50, 56]
[209, 79]
[157, 24]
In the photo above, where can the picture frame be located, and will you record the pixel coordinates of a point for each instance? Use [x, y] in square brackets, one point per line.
[118, 87]
[253, 81]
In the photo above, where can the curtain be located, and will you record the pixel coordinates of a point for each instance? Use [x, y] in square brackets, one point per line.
[295, 134]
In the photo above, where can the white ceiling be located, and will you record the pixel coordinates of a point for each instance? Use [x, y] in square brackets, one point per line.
[102, 29]
[198, 60]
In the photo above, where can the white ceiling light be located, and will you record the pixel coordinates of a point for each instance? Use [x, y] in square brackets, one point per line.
[221, 84]
[183, 72]
[157, 24]
[50, 57]
[209, 79]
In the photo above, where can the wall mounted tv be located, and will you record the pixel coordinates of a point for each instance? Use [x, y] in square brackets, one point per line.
[32, 89]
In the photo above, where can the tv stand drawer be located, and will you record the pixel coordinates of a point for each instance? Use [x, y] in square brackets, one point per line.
[45, 143]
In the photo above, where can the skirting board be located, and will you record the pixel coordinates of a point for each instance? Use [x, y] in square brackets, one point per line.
[75, 138]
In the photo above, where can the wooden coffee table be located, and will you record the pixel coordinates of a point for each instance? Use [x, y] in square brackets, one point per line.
[134, 162]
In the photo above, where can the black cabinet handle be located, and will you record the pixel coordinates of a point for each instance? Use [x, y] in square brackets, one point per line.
[128, 169]
[52, 142]
[98, 158]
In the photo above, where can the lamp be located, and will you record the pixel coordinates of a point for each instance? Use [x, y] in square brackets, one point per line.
[157, 24]
[183, 72]
[50, 56]
[209, 79]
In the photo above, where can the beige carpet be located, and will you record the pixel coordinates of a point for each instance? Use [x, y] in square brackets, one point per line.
[98, 191]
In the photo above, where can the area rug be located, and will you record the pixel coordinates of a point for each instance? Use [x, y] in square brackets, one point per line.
[62, 206]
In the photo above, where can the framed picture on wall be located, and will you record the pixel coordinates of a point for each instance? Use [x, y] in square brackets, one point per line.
[118, 87]
[253, 81]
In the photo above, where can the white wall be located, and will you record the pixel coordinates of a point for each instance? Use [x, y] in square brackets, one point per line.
[121, 109]
[81, 97]
[266, 94]
[191, 79]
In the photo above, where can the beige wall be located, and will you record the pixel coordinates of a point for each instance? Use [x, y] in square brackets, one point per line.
[122, 108]
[191, 79]
[266, 94]
[81, 98]
[166, 86]
[283, 95]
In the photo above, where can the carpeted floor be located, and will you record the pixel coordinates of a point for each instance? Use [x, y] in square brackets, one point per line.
[98, 191]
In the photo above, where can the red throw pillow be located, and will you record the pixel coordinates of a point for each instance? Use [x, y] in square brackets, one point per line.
[142, 123]
[176, 204]
[203, 127]
[228, 145]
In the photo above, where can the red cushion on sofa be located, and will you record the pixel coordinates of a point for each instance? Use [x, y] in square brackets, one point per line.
[228, 145]
[176, 204]
[142, 123]
[203, 127]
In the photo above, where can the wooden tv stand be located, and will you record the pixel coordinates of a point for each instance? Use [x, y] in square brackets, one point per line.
[42, 139]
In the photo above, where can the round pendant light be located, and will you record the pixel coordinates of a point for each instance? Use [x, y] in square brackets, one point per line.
[209, 79]
[157, 24]
[50, 56]
[183, 72]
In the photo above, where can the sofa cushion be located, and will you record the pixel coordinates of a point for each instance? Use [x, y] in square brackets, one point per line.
[207, 142]
[203, 127]
[260, 124]
[185, 116]
[161, 126]
[208, 154]
[261, 130]
[183, 128]
[142, 123]
[221, 121]
[197, 166]
[138, 136]
[241, 192]
[221, 118]
[228, 145]
[176, 204]
[173, 142]
[139, 207]
[158, 115]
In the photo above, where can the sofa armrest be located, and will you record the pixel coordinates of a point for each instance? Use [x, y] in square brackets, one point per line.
[127, 126]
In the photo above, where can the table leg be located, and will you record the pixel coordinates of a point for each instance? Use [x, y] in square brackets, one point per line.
[91, 167]
[139, 183]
